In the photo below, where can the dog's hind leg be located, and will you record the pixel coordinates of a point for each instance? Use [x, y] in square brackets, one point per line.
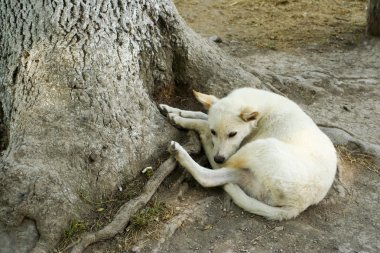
[165, 109]
[205, 177]
[252, 205]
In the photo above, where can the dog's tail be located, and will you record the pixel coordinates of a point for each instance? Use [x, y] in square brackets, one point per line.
[254, 206]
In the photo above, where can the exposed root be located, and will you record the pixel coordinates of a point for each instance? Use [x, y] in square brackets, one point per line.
[343, 137]
[337, 127]
[187, 214]
[267, 77]
[126, 211]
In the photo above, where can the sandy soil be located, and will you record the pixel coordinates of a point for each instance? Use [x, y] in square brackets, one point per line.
[324, 62]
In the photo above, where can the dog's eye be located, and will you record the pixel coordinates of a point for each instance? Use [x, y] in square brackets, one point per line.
[213, 132]
[232, 134]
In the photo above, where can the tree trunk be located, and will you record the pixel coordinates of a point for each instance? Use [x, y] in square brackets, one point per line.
[79, 85]
[373, 18]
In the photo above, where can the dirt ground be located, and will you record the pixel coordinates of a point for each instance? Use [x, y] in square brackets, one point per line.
[322, 60]
[284, 25]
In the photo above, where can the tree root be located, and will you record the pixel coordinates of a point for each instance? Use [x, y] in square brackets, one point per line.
[340, 136]
[126, 211]
[268, 78]
[197, 212]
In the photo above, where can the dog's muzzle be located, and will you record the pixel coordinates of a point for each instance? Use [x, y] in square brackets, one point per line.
[219, 159]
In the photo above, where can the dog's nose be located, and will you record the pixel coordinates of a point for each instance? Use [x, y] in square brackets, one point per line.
[219, 159]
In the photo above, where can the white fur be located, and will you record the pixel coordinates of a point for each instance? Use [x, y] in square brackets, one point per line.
[277, 164]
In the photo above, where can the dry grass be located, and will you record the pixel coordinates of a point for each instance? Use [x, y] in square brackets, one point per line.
[147, 223]
[278, 24]
[355, 160]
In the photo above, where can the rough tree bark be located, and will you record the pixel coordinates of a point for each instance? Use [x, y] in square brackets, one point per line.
[79, 84]
[373, 17]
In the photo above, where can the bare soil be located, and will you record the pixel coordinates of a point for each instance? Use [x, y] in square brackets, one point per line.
[283, 25]
[324, 61]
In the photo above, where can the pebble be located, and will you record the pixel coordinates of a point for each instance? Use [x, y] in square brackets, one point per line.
[216, 39]
[279, 228]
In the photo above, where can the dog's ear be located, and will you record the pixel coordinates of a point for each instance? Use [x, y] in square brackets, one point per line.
[206, 100]
[248, 114]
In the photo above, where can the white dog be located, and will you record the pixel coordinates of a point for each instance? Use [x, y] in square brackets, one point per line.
[270, 156]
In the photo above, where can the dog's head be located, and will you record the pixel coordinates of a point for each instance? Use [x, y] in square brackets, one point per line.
[230, 122]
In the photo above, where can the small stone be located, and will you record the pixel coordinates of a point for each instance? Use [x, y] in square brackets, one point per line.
[207, 227]
[92, 158]
[279, 228]
[282, 2]
[147, 169]
[216, 39]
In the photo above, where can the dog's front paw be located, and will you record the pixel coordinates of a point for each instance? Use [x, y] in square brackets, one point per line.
[164, 109]
[179, 153]
[173, 148]
[174, 120]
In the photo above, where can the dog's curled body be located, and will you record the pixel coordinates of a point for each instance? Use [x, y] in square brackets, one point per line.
[274, 161]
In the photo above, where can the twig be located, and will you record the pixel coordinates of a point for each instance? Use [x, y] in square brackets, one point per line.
[262, 235]
[236, 2]
[126, 211]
